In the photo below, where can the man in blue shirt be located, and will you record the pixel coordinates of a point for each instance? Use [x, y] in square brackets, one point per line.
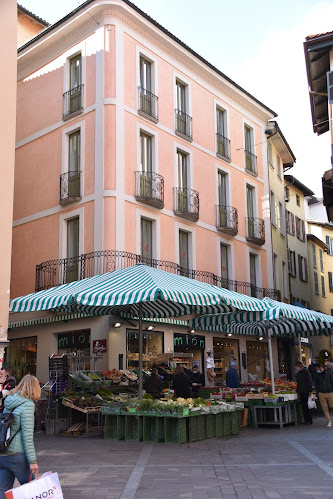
[231, 378]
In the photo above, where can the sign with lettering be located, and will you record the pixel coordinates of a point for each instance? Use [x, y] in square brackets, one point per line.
[190, 341]
[74, 339]
[99, 347]
[304, 340]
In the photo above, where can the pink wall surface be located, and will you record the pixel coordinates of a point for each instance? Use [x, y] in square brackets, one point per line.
[90, 83]
[89, 209]
[203, 117]
[110, 147]
[89, 153]
[109, 61]
[109, 223]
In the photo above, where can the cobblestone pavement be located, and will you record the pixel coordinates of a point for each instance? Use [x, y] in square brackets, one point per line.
[293, 463]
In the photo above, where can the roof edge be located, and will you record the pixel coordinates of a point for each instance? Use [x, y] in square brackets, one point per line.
[31, 14]
[306, 191]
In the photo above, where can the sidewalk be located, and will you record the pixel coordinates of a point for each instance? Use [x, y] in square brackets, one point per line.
[293, 463]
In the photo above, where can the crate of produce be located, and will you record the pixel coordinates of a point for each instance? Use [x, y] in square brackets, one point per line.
[85, 409]
[243, 397]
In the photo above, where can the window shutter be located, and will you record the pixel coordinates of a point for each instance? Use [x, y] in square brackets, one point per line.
[330, 86]
[305, 269]
[300, 270]
[328, 244]
[289, 262]
[298, 234]
[303, 230]
[330, 281]
[292, 224]
[287, 222]
[294, 260]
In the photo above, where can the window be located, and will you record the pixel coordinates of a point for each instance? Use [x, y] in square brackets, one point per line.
[284, 280]
[302, 268]
[183, 120]
[250, 193]
[222, 195]
[184, 256]
[145, 74]
[321, 260]
[270, 154]
[292, 263]
[73, 101]
[70, 181]
[329, 242]
[282, 221]
[273, 214]
[21, 356]
[146, 153]
[148, 102]
[315, 275]
[330, 281]
[323, 286]
[181, 97]
[290, 223]
[287, 194]
[250, 158]
[153, 344]
[298, 200]
[225, 265]
[72, 250]
[278, 166]
[300, 229]
[146, 240]
[221, 134]
[253, 274]
[314, 256]
[275, 271]
[183, 197]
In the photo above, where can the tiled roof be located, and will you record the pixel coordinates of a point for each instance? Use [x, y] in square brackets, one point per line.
[26, 11]
[310, 37]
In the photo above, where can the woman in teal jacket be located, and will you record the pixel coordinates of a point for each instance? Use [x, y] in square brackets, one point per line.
[20, 461]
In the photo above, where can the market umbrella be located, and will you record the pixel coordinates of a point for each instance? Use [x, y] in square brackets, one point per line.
[140, 291]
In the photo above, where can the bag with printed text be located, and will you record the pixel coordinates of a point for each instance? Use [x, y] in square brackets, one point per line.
[47, 486]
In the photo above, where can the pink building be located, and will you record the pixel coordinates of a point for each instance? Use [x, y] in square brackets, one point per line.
[132, 148]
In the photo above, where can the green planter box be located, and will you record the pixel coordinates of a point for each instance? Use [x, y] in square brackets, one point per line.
[228, 418]
[210, 426]
[133, 428]
[219, 424]
[175, 430]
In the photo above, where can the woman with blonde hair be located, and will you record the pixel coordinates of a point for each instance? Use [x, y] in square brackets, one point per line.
[19, 461]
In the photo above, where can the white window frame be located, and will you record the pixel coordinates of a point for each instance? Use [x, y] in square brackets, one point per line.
[66, 132]
[225, 170]
[191, 243]
[188, 89]
[72, 52]
[140, 127]
[141, 52]
[156, 231]
[220, 105]
[63, 218]
[189, 153]
[278, 167]
[273, 210]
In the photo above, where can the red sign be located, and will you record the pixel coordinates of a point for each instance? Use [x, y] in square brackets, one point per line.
[99, 347]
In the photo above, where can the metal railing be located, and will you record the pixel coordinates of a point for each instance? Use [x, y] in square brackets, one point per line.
[227, 219]
[183, 124]
[72, 101]
[148, 103]
[186, 203]
[250, 162]
[70, 187]
[222, 146]
[55, 272]
[255, 230]
[150, 188]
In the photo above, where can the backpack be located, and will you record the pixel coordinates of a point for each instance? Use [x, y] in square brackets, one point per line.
[6, 420]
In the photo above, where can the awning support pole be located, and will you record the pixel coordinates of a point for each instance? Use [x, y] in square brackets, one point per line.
[140, 352]
[270, 355]
[299, 347]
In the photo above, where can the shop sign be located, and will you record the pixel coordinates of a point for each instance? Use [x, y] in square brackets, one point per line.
[99, 347]
[74, 339]
[191, 341]
[304, 340]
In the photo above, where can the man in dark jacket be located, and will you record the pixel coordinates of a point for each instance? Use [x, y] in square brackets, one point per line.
[231, 378]
[312, 370]
[153, 384]
[324, 387]
[197, 380]
[304, 389]
[7, 382]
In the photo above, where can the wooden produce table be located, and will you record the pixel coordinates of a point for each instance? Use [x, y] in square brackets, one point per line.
[87, 411]
[282, 414]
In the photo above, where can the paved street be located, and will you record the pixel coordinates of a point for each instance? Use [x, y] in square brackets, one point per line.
[296, 462]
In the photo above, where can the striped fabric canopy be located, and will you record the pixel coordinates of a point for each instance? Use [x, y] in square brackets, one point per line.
[299, 312]
[162, 294]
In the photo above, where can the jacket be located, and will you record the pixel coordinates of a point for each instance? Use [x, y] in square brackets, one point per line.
[231, 378]
[196, 378]
[153, 385]
[9, 385]
[24, 420]
[324, 382]
[304, 381]
[181, 385]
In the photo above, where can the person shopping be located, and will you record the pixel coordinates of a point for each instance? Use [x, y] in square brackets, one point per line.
[7, 383]
[324, 387]
[20, 461]
[153, 384]
[231, 377]
[181, 383]
[304, 389]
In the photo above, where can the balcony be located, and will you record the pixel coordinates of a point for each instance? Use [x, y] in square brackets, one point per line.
[227, 219]
[56, 272]
[255, 230]
[183, 125]
[70, 187]
[150, 189]
[72, 102]
[250, 163]
[186, 203]
[148, 105]
[222, 147]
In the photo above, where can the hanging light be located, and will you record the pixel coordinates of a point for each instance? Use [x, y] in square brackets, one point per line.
[117, 324]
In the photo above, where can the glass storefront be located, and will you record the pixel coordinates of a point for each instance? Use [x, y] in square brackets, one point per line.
[306, 354]
[153, 344]
[285, 358]
[225, 351]
[77, 345]
[256, 360]
[21, 357]
[189, 344]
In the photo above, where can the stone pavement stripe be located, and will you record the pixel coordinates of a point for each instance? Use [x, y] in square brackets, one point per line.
[315, 459]
[136, 475]
[250, 465]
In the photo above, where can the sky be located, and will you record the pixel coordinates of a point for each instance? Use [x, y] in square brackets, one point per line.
[256, 43]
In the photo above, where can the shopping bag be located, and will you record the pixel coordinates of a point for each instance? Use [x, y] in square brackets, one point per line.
[311, 403]
[47, 486]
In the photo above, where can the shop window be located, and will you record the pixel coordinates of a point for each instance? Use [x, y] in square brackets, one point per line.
[225, 351]
[76, 343]
[21, 357]
[256, 360]
[153, 345]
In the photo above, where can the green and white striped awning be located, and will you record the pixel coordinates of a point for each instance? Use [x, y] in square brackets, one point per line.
[162, 294]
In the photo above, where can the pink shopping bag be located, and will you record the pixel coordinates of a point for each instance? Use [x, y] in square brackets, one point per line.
[45, 487]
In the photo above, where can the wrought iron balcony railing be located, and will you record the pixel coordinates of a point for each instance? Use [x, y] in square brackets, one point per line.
[227, 219]
[183, 125]
[72, 102]
[251, 163]
[56, 272]
[150, 188]
[255, 230]
[70, 187]
[186, 203]
[148, 104]
[222, 147]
